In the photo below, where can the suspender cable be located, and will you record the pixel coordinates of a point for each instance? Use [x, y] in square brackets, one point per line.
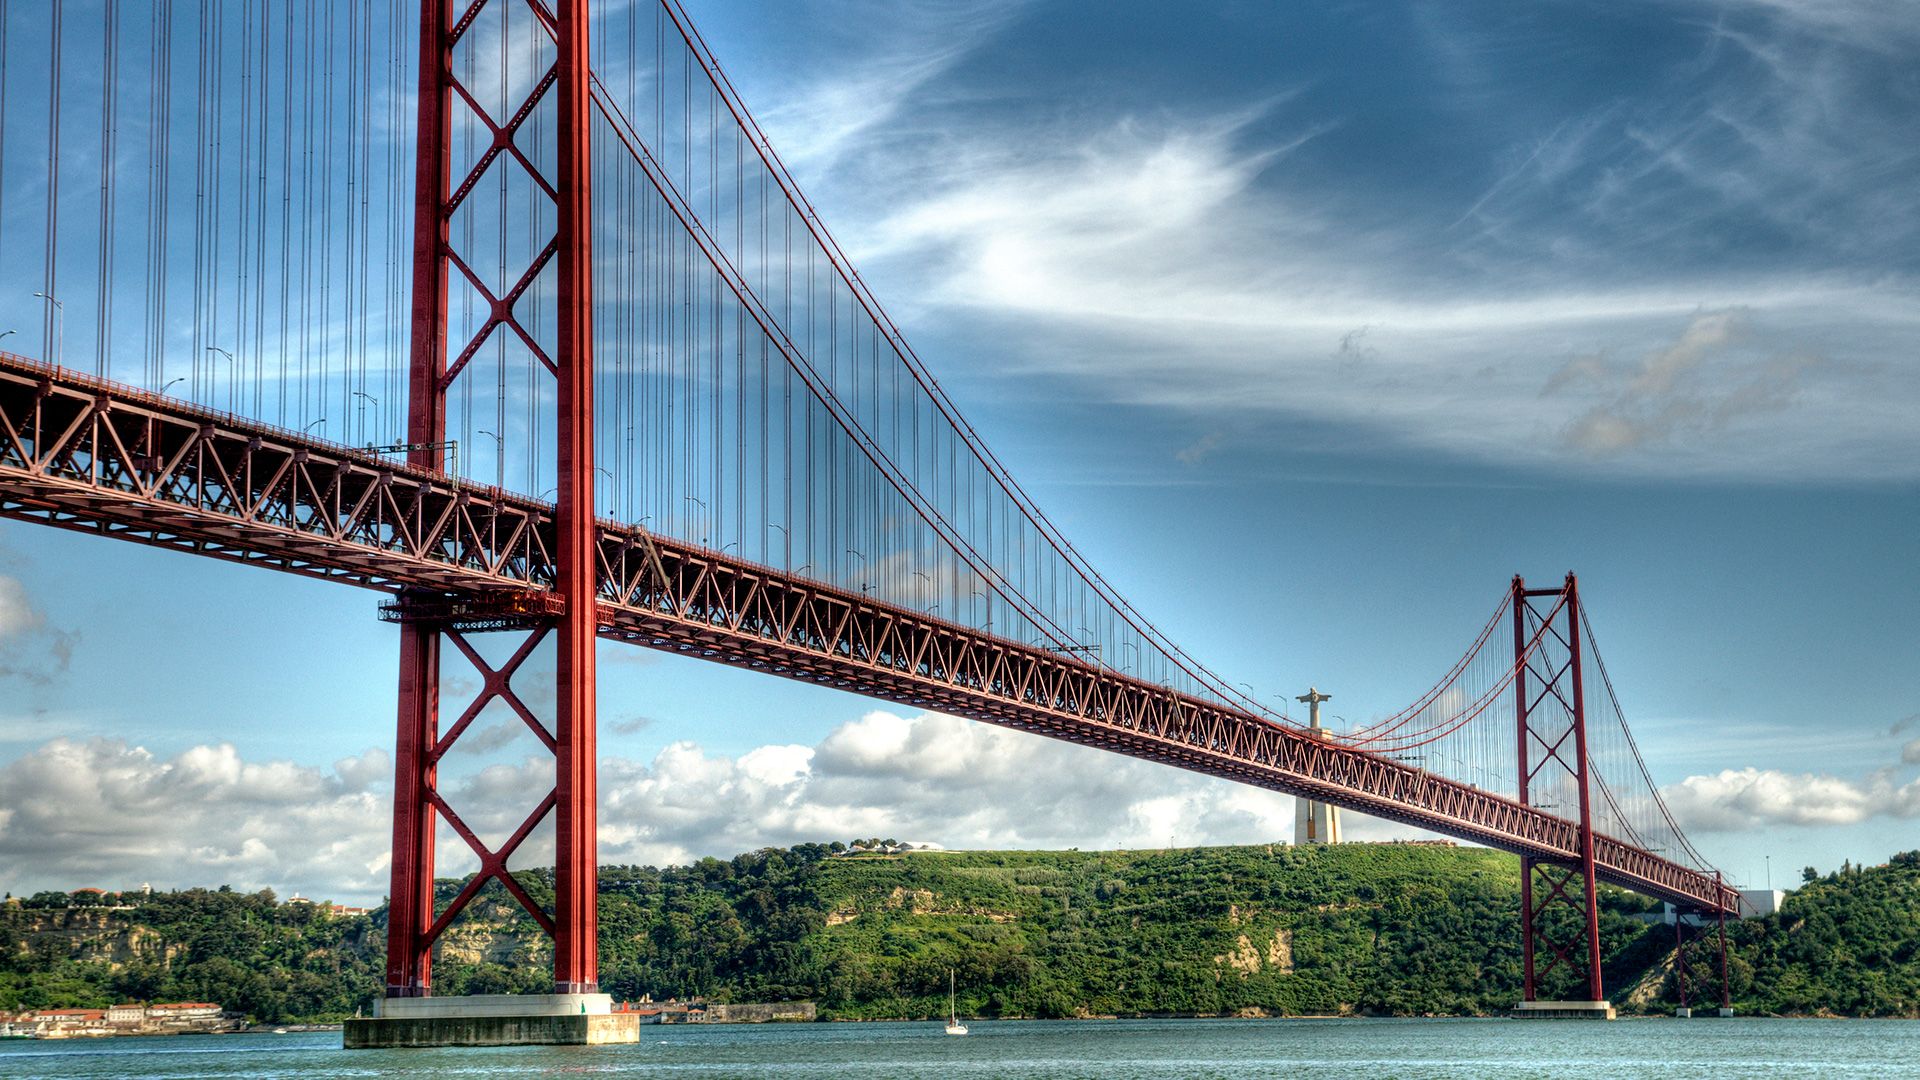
[50, 345]
[109, 94]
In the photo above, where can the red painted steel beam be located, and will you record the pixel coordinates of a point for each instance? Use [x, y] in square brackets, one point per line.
[72, 455]
[1522, 773]
[576, 918]
[409, 940]
[1584, 775]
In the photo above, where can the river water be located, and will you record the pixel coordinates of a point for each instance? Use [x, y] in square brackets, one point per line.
[1118, 1049]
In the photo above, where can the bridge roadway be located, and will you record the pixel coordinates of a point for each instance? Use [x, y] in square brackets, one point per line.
[93, 456]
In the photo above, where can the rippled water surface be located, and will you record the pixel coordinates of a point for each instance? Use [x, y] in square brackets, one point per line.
[1121, 1049]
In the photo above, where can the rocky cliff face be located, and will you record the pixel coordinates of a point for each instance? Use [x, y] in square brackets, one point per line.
[89, 935]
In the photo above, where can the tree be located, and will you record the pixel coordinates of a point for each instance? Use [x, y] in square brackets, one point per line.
[1809, 875]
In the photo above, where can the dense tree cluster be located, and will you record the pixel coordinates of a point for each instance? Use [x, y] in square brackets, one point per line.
[868, 931]
[246, 951]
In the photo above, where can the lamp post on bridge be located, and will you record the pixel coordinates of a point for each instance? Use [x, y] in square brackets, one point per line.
[233, 374]
[60, 321]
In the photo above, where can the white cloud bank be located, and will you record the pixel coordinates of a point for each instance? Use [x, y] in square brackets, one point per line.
[107, 814]
[99, 812]
[1739, 800]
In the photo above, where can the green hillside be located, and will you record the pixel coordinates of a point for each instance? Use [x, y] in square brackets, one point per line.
[1355, 929]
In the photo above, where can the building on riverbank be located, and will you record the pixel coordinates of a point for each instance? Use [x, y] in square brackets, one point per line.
[698, 1011]
[169, 1018]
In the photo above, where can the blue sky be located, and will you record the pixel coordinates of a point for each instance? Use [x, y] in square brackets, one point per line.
[1310, 328]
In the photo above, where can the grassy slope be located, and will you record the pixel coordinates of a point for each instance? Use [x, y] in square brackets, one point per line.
[1195, 931]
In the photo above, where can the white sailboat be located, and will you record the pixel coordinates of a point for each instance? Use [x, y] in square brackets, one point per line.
[954, 1026]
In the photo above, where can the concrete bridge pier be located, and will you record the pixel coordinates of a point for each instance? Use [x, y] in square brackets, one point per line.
[493, 1020]
[1563, 1010]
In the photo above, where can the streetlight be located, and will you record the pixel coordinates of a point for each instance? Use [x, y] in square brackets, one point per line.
[499, 458]
[703, 511]
[231, 374]
[60, 321]
[864, 586]
[309, 427]
[4, 333]
[786, 544]
[362, 418]
[170, 382]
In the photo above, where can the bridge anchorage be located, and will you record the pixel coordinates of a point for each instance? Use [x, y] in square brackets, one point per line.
[756, 470]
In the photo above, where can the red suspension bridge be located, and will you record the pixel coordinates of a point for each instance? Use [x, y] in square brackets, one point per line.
[516, 316]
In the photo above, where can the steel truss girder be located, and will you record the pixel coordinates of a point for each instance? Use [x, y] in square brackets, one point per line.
[354, 518]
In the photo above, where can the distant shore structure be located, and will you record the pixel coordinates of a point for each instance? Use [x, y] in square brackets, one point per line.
[1314, 822]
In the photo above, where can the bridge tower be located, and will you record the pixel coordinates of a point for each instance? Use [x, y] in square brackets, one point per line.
[1550, 708]
[430, 621]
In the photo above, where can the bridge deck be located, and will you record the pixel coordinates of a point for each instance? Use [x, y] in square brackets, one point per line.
[84, 454]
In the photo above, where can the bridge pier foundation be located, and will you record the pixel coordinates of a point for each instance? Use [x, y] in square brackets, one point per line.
[1563, 1010]
[493, 1020]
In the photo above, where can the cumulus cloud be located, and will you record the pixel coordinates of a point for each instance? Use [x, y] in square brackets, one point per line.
[1751, 798]
[31, 649]
[102, 812]
[1737, 800]
[926, 778]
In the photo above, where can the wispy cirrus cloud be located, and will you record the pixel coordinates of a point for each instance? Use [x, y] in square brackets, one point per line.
[1681, 389]
[1193, 257]
[906, 46]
